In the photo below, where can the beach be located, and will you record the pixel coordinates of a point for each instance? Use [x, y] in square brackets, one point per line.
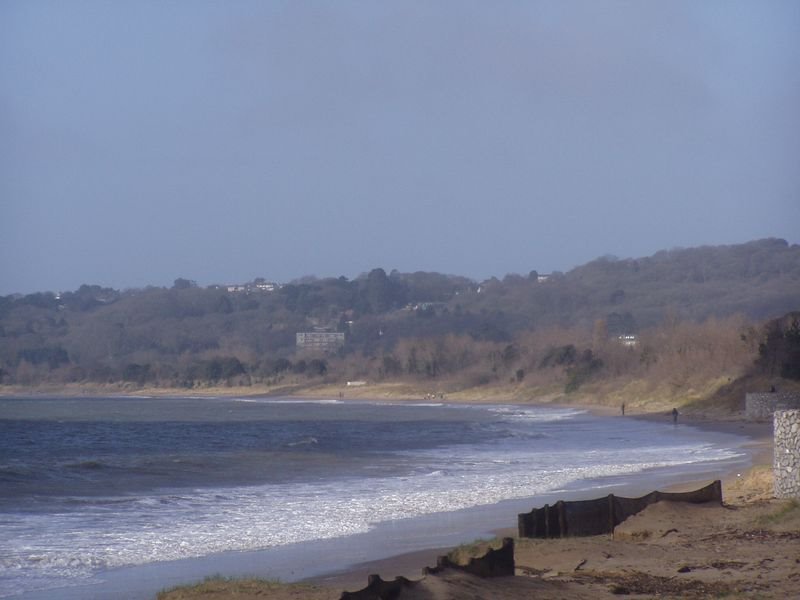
[746, 548]
[404, 546]
[749, 490]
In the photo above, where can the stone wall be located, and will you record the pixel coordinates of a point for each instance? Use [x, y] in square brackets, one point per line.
[761, 406]
[787, 454]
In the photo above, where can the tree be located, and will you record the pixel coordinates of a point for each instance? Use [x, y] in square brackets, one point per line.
[136, 373]
[779, 353]
[53, 356]
[509, 355]
[317, 367]
[790, 368]
[599, 334]
[223, 305]
[391, 366]
[378, 291]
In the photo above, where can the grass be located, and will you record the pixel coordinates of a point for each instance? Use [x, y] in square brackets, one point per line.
[755, 485]
[219, 586]
[788, 514]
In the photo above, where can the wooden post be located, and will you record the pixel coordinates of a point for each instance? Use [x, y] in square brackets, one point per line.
[526, 524]
[611, 517]
[562, 518]
[546, 510]
[717, 490]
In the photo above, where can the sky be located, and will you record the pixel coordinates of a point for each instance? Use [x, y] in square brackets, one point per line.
[142, 141]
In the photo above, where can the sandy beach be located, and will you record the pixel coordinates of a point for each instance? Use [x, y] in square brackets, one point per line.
[747, 547]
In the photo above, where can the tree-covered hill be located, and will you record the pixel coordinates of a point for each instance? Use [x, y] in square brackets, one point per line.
[759, 279]
[188, 334]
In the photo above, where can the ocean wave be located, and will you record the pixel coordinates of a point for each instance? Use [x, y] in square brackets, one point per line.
[87, 465]
[15, 472]
[98, 502]
[537, 414]
[436, 473]
[505, 455]
[306, 441]
[175, 526]
[289, 400]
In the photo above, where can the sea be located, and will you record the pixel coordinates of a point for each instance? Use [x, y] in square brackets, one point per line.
[119, 497]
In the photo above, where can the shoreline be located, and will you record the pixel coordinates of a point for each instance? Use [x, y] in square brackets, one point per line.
[397, 391]
[410, 564]
[126, 583]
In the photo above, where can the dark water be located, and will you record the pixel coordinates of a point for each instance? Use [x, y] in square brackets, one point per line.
[92, 484]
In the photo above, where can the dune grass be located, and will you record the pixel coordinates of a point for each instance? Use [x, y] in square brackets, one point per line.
[218, 587]
[786, 516]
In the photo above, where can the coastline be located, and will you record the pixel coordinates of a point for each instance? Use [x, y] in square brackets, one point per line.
[409, 564]
[403, 547]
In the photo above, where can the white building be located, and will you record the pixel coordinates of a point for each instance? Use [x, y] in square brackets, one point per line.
[325, 341]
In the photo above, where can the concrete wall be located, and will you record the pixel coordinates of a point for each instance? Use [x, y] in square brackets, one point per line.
[787, 453]
[761, 406]
[602, 515]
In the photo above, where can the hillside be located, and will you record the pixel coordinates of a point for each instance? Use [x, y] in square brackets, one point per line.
[536, 329]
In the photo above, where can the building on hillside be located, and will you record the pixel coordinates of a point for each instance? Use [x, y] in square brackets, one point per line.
[426, 306]
[320, 341]
[628, 339]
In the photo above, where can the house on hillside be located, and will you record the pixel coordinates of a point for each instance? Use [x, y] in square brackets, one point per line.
[319, 341]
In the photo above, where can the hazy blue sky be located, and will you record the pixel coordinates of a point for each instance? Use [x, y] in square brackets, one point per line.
[142, 141]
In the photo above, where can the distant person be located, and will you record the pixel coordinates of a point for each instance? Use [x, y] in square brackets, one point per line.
[622, 408]
[675, 416]
[772, 389]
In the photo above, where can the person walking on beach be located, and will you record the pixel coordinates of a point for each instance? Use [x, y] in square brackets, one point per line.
[622, 408]
[674, 416]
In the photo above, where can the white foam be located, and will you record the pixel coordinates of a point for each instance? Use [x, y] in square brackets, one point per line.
[543, 414]
[176, 526]
[119, 531]
[288, 400]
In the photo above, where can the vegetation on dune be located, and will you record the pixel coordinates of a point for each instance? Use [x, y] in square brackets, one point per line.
[218, 587]
[696, 316]
[786, 517]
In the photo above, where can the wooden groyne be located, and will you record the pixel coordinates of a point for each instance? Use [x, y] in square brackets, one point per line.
[601, 515]
[495, 563]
